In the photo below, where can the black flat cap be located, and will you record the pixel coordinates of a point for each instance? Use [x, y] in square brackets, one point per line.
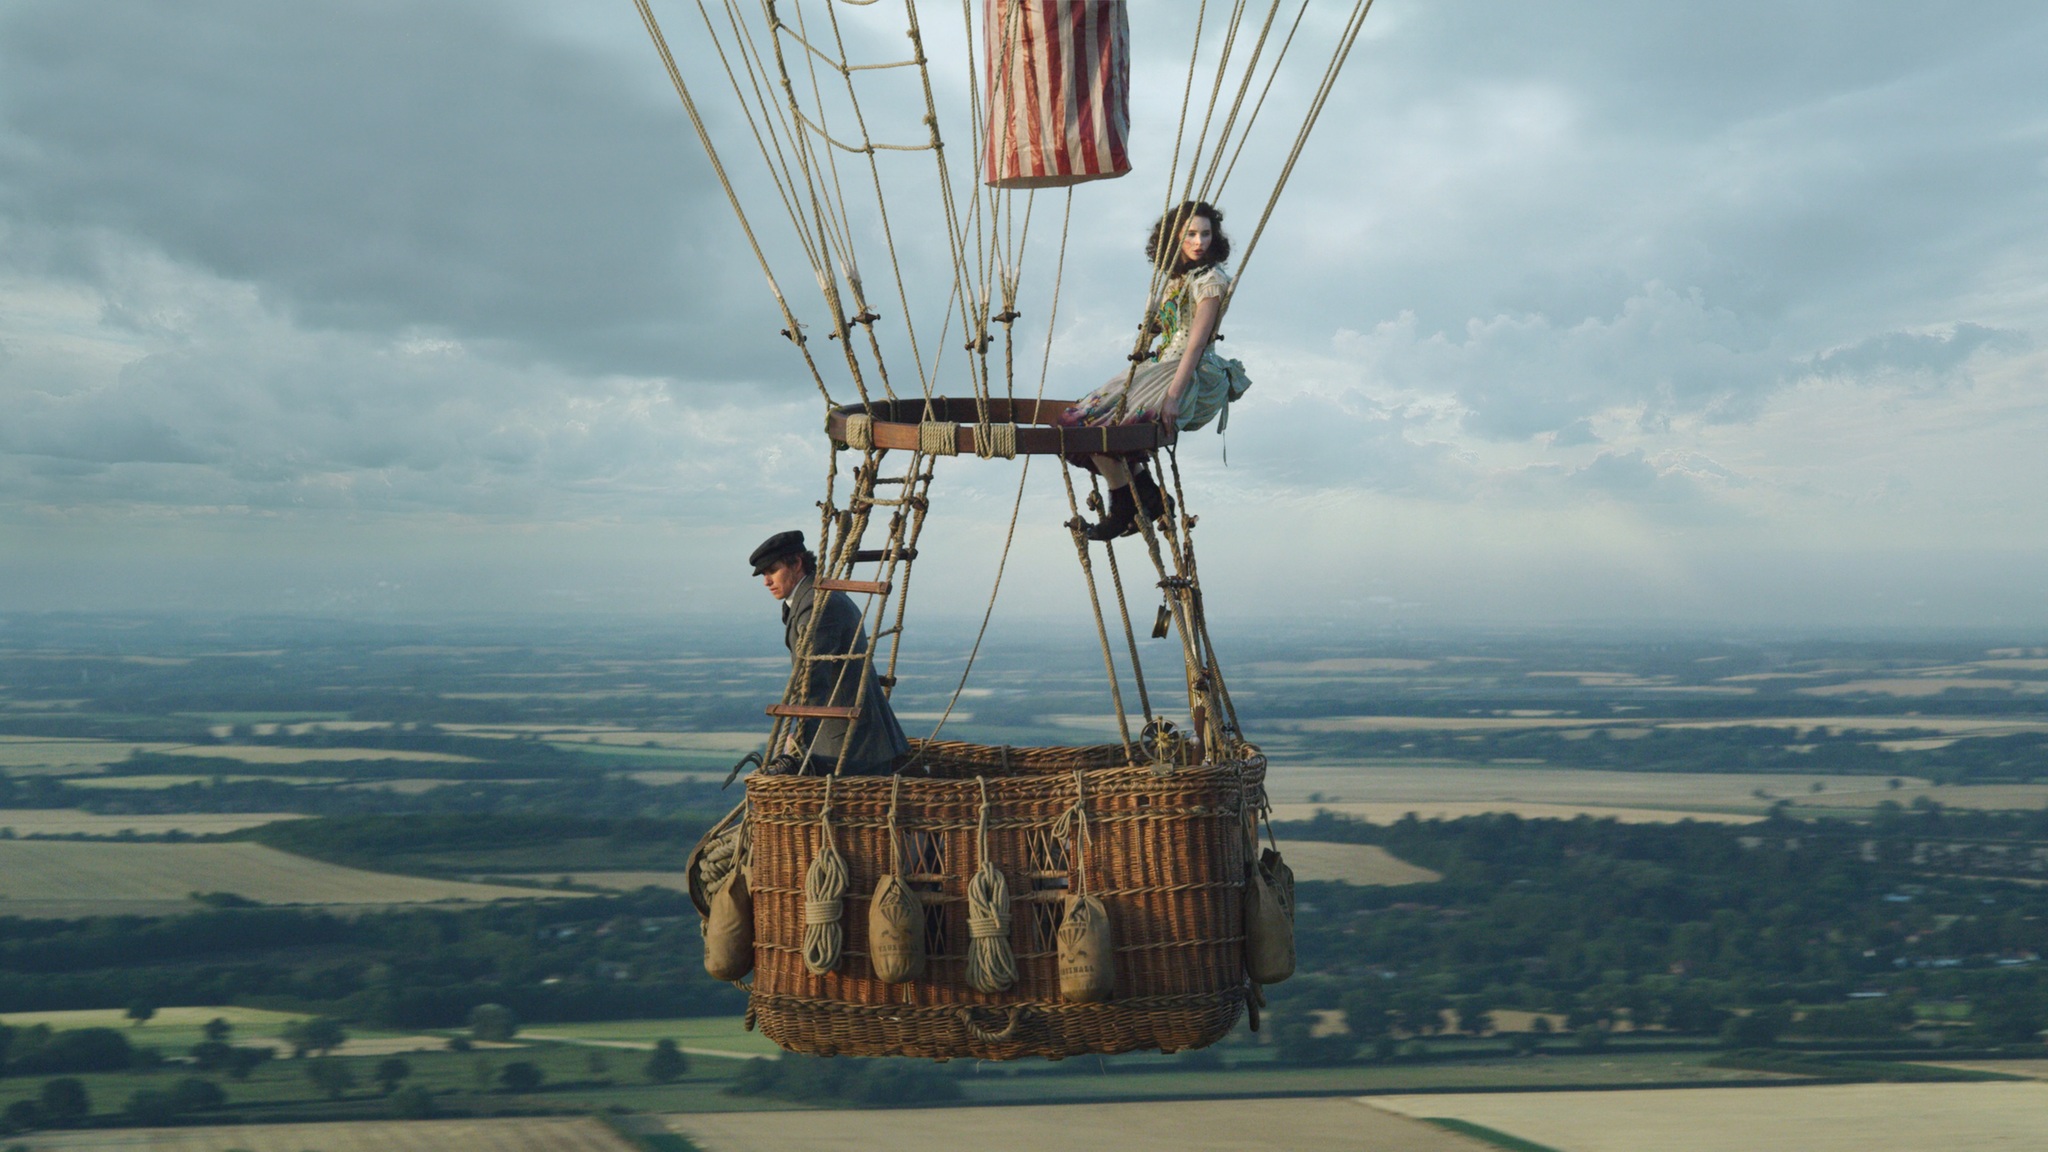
[774, 548]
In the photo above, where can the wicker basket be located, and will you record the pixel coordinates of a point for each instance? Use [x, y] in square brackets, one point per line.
[1164, 851]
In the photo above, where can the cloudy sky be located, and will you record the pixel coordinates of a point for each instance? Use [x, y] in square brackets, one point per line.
[1577, 313]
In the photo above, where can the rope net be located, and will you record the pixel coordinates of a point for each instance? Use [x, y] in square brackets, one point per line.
[846, 133]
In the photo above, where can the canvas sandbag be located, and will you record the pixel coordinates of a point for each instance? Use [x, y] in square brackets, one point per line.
[1087, 952]
[896, 931]
[1269, 919]
[729, 931]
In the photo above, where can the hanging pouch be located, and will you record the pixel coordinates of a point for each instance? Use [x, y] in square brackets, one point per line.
[895, 915]
[729, 931]
[1087, 952]
[1269, 919]
[896, 931]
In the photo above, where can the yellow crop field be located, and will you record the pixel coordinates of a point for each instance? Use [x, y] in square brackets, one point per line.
[268, 754]
[1352, 864]
[1815, 1118]
[146, 782]
[257, 1020]
[1924, 686]
[409, 787]
[84, 873]
[525, 1134]
[1311, 1125]
[72, 822]
[1985, 797]
[1372, 783]
[37, 754]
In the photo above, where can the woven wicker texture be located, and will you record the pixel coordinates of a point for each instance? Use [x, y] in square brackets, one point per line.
[1164, 852]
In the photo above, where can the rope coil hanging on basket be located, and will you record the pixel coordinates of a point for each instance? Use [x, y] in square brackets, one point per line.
[824, 893]
[991, 965]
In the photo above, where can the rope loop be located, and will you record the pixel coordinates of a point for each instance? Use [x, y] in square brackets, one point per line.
[1074, 822]
[938, 438]
[987, 1035]
[993, 440]
[895, 843]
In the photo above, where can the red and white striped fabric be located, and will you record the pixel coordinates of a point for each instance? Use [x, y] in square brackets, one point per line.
[1059, 91]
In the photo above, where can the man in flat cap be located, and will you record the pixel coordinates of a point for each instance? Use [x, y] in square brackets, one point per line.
[877, 742]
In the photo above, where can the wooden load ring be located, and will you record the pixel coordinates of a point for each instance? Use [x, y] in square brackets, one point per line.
[963, 426]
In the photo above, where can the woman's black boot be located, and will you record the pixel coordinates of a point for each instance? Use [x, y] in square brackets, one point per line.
[1120, 520]
[1151, 501]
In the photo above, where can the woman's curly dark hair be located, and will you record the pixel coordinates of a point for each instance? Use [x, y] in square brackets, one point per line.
[1167, 232]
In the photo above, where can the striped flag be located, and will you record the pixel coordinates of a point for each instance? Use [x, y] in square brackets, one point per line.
[1059, 91]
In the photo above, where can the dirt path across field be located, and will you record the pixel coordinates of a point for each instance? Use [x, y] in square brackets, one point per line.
[1189, 1126]
[526, 1134]
[1808, 1118]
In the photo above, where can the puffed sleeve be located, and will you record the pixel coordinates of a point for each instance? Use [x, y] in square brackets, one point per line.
[1209, 284]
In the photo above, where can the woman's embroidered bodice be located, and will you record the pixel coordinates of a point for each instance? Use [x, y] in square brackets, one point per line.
[1176, 310]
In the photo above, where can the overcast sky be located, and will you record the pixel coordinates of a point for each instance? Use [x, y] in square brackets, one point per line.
[1583, 312]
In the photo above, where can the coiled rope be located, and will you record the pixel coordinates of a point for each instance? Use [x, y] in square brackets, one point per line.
[993, 440]
[824, 892]
[860, 432]
[991, 965]
[938, 438]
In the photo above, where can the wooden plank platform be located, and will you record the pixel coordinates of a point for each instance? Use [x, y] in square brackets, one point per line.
[878, 587]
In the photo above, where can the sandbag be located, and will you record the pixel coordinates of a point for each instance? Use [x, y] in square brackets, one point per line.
[896, 931]
[1269, 919]
[1087, 952]
[729, 931]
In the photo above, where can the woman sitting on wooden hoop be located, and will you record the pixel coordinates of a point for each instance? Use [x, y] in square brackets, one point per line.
[1184, 383]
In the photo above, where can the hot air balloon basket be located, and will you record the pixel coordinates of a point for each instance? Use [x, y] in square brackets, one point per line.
[1163, 851]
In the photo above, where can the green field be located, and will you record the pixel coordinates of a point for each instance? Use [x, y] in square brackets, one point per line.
[87, 872]
[706, 1033]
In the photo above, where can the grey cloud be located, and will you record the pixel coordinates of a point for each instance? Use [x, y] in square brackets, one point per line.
[1668, 353]
[1686, 489]
[1349, 440]
[376, 166]
[1575, 434]
[1811, 176]
[1933, 355]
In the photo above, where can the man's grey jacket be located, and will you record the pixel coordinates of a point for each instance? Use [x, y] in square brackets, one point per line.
[877, 738]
